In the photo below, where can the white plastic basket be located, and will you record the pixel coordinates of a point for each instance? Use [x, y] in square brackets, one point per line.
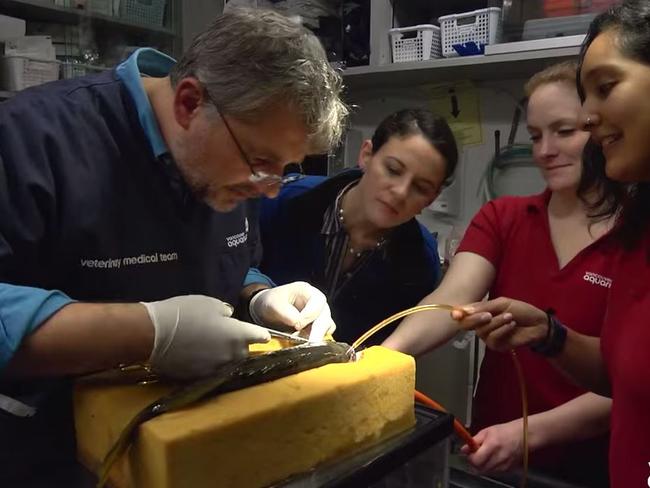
[19, 72]
[147, 12]
[104, 7]
[479, 26]
[416, 43]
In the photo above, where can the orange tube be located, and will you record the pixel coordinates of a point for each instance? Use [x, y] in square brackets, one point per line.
[458, 427]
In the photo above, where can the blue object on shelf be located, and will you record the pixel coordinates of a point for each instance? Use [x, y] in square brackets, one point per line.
[469, 49]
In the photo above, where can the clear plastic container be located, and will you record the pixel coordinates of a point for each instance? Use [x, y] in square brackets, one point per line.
[413, 459]
[550, 18]
[561, 8]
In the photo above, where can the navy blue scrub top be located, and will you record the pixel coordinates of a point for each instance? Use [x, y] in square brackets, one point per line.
[92, 204]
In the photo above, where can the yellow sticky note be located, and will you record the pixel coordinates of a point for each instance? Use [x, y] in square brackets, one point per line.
[459, 104]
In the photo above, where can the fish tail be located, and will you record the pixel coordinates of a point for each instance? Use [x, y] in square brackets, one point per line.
[123, 443]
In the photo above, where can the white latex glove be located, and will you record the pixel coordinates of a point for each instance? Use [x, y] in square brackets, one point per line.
[297, 305]
[194, 334]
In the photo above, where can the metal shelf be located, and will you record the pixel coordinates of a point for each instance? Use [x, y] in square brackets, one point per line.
[46, 11]
[477, 68]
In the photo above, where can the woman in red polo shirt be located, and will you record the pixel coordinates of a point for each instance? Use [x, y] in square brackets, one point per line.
[565, 257]
[614, 79]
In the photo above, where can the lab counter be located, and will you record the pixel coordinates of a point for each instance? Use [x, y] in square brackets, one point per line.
[418, 458]
[458, 478]
[461, 477]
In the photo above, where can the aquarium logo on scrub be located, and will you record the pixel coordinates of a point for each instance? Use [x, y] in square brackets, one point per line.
[596, 279]
[237, 239]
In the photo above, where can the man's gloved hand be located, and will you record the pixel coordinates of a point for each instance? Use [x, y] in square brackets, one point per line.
[194, 334]
[297, 305]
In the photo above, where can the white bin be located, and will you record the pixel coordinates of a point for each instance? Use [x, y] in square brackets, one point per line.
[416, 43]
[481, 27]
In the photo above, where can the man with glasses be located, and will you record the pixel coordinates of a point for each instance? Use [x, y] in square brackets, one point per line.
[130, 191]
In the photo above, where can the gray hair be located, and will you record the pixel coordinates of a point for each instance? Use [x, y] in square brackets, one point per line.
[250, 59]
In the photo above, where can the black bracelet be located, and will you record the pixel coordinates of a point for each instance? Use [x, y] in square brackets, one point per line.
[555, 337]
[251, 296]
[242, 310]
[247, 311]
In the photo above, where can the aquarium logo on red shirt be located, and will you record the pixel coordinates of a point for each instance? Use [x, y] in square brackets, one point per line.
[596, 279]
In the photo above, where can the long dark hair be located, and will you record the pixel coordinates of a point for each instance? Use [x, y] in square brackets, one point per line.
[594, 181]
[419, 121]
[631, 22]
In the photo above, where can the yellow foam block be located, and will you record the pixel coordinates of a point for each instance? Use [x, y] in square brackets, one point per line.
[252, 437]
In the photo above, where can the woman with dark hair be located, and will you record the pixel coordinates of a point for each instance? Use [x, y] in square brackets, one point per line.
[546, 250]
[614, 82]
[354, 236]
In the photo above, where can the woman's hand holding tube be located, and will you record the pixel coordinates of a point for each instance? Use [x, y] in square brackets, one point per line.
[504, 323]
[501, 448]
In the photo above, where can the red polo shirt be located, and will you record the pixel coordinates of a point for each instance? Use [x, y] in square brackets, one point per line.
[513, 234]
[625, 343]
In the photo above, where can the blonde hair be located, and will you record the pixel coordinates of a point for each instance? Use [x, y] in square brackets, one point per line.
[566, 71]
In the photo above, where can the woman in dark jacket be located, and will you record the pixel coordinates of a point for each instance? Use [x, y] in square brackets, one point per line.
[354, 236]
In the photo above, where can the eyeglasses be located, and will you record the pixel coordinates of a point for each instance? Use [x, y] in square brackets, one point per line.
[256, 177]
